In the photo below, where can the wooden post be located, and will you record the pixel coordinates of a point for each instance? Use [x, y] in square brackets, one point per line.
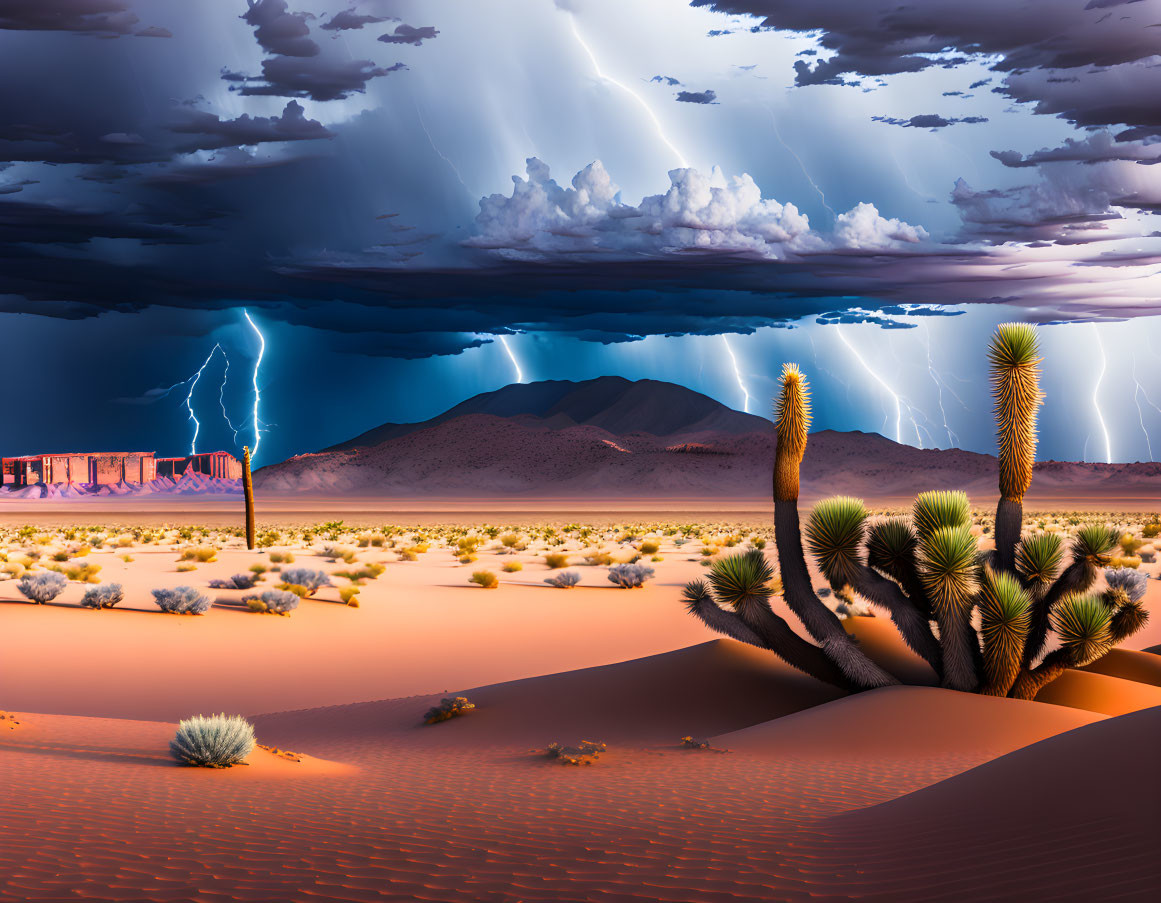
[248, 490]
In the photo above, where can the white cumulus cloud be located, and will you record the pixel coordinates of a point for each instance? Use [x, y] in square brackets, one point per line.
[699, 213]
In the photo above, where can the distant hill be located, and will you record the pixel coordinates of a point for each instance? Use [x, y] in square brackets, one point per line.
[612, 403]
[611, 436]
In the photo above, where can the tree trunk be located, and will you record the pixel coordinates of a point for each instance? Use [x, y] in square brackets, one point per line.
[956, 638]
[909, 621]
[779, 637]
[248, 491]
[820, 622]
[1009, 523]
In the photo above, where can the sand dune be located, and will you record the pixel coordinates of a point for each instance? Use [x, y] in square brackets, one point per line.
[908, 722]
[1100, 693]
[706, 689]
[464, 811]
[1042, 823]
[1142, 667]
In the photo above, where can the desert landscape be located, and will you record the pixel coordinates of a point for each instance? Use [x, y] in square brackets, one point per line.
[489, 708]
[580, 451]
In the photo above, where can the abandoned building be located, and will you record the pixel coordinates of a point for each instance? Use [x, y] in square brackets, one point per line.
[112, 467]
[210, 464]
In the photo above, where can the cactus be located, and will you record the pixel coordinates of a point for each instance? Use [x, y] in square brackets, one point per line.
[248, 492]
[928, 568]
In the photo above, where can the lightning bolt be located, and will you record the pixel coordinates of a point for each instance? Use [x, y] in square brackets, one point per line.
[952, 438]
[515, 363]
[640, 100]
[900, 402]
[801, 166]
[257, 392]
[1096, 395]
[737, 374]
[193, 381]
[441, 154]
[1138, 391]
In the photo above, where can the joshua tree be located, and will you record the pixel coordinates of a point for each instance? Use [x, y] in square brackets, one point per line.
[248, 492]
[981, 621]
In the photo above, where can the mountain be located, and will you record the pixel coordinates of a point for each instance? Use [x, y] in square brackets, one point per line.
[612, 403]
[611, 437]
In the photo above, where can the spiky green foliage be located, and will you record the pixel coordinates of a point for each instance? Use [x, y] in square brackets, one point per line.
[741, 579]
[1038, 558]
[1014, 356]
[695, 594]
[1094, 544]
[937, 509]
[948, 568]
[834, 534]
[1005, 615]
[1082, 623]
[891, 546]
[792, 424]
[213, 741]
[1127, 620]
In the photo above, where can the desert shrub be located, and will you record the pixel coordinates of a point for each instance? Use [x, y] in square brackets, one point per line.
[408, 555]
[556, 560]
[758, 542]
[182, 600]
[1132, 581]
[308, 579]
[83, 573]
[486, 579]
[449, 707]
[349, 595]
[1130, 543]
[1125, 561]
[213, 741]
[272, 601]
[60, 556]
[564, 580]
[281, 557]
[104, 595]
[41, 588]
[367, 572]
[649, 548]
[467, 558]
[1152, 529]
[238, 581]
[186, 568]
[336, 553]
[511, 567]
[630, 576]
[512, 541]
[585, 753]
[598, 559]
[203, 554]
[694, 743]
[258, 569]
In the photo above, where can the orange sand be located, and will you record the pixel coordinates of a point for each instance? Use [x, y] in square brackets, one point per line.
[910, 793]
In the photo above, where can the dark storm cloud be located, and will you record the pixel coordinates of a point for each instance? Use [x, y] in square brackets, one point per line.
[927, 121]
[279, 31]
[883, 37]
[408, 34]
[349, 20]
[211, 132]
[98, 17]
[708, 96]
[665, 80]
[298, 67]
[1098, 148]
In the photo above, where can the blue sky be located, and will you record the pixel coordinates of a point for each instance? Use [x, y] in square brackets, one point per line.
[797, 176]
